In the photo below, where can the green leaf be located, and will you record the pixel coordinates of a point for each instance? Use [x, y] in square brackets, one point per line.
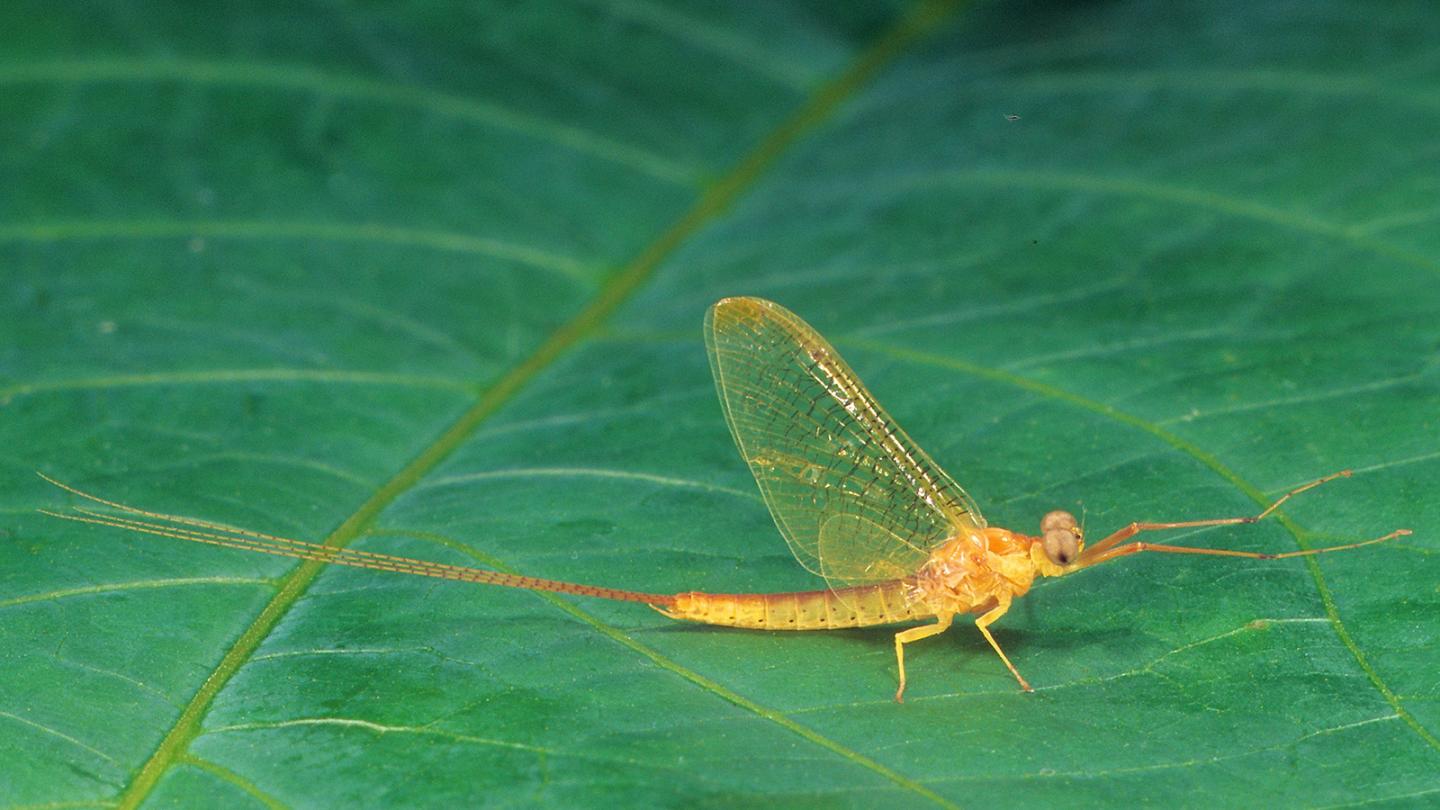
[428, 279]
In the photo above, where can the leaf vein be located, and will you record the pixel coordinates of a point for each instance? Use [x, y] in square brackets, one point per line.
[230, 375]
[1182, 196]
[258, 229]
[587, 472]
[305, 78]
[61, 735]
[137, 585]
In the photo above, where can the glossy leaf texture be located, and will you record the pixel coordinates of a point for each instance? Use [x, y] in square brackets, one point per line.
[428, 279]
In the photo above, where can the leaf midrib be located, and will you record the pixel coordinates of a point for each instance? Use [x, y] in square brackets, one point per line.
[920, 20]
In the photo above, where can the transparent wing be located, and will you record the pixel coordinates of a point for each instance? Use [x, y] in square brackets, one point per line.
[854, 497]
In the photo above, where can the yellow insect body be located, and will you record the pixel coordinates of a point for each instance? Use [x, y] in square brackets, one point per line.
[968, 574]
[860, 606]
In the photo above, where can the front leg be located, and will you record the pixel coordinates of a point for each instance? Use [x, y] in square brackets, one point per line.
[983, 624]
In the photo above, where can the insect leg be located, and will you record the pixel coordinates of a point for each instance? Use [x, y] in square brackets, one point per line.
[1090, 555]
[983, 624]
[915, 634]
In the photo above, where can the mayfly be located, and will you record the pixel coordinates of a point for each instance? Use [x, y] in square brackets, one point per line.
[894, 537]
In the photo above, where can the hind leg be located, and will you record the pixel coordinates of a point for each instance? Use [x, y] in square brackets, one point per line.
[915, 634]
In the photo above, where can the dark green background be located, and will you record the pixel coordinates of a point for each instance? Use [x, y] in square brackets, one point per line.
[428, 278]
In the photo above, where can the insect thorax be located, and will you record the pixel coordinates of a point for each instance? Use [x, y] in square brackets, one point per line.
[973, 569]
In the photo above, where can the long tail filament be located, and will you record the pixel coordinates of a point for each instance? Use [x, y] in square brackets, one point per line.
[219, 534]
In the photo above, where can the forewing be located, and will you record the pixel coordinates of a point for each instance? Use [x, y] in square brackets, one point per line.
[853, 496]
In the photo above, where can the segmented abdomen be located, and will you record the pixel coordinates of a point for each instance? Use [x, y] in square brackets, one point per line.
[860, 606]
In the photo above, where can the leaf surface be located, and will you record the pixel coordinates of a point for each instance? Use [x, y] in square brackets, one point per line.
[429, 280]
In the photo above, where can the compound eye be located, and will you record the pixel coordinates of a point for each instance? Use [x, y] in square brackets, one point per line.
[1062, 546]
[1060, 537]
[1058, 519]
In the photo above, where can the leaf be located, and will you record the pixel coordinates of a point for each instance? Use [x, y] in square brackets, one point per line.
[429, 279]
